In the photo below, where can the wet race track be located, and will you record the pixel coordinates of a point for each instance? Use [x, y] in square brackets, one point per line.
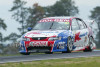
[23, 58]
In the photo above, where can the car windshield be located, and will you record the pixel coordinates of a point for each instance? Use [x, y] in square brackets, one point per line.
[51, 25]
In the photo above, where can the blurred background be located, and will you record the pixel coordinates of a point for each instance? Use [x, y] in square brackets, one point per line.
[17, 15]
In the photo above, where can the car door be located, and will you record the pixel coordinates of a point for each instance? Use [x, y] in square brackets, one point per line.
[78, 32]
[84, 32]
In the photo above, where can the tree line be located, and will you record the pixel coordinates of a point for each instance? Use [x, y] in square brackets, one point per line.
[29, 16]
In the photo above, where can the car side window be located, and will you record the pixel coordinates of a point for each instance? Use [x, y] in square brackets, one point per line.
[75, 25]
[81, 24]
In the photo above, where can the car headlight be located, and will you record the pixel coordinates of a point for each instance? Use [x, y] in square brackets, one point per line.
[26, 39]
[54, 38]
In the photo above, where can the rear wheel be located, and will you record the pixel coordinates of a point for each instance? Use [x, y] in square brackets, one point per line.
[89, 49]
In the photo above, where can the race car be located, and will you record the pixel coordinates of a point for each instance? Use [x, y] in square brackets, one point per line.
[58, 34]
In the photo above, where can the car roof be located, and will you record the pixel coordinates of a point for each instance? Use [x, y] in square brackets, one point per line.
[60, 17]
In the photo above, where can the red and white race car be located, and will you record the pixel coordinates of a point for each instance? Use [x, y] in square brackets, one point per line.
[58, 34]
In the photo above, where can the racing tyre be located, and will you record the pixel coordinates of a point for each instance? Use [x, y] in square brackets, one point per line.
[48, 52]
[25, 53]
[69, 45]
[89, 49]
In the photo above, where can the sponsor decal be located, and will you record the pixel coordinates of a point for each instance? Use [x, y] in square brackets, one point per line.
[61, 45]
[54, 20]
[38, 43]
[66, 22]
[77, 38]
[83, 34]
[33, 33]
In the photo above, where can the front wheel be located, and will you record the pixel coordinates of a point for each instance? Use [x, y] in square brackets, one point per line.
[69, 45]
[48, 52]
[25, 53]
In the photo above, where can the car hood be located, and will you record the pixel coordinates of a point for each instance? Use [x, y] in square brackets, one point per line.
[47, 33]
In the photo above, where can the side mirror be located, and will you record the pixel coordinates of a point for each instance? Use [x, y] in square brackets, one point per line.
[29, 28]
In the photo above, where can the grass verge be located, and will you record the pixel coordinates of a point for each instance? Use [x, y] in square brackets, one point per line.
[73, 62]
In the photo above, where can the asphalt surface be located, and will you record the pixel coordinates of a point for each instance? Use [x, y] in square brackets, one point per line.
[24, 58]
